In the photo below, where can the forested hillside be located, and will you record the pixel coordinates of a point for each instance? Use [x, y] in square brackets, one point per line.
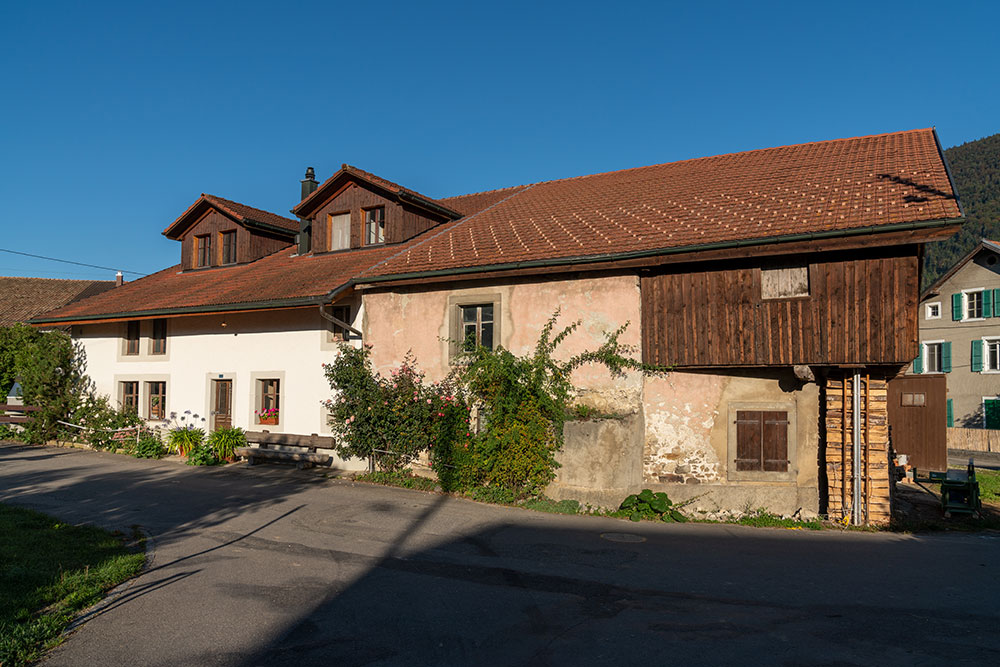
[975, 166]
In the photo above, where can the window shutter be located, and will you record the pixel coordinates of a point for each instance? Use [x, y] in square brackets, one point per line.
[956, 307]
[946, 357]
[951, 415]
[987, 303]
[749, 429]
[775, 442]
[996, 300]
[918, 363]
[977, 356]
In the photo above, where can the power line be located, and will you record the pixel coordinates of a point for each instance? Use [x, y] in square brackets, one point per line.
[66, 261]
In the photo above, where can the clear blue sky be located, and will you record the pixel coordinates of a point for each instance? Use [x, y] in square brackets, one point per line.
[114, 117]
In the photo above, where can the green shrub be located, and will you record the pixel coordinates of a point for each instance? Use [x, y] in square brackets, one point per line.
[150, 446]
[394, 419]
[184, 439]
[225, 441]
[524, 402]
[8, 432]
[201, 455]
[649, 506]
[103, 421]
[497, 495]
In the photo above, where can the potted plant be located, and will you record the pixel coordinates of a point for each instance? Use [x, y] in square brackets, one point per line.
[267, 416]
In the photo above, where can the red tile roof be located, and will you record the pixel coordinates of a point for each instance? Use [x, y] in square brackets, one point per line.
[825, 186]
[25, 298]
[240, 212]
[278, 279]
[841, 185]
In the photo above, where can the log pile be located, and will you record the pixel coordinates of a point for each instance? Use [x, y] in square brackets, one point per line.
[873, 464]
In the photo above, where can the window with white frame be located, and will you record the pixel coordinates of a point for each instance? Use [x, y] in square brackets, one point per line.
[974, 305]
[932, 311]
[991, 349]
[934, 357]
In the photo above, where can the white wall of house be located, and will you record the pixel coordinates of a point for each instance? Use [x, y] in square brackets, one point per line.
[288, 345]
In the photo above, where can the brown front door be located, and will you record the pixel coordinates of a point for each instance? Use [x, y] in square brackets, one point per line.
[918, 420]
[223, 410]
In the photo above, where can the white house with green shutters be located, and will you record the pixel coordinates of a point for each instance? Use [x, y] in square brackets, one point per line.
[963, 341]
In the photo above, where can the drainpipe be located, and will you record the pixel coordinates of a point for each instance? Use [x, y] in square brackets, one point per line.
[856, 452]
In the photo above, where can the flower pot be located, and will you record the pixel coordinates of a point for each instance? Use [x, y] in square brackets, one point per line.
[267, 420]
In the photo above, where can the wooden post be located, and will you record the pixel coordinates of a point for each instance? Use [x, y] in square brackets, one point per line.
[843, 447]
[868, 482]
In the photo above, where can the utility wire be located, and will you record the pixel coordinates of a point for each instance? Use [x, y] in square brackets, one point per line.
[66, 261]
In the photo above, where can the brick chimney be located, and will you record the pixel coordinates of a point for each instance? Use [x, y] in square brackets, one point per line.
[119, 279]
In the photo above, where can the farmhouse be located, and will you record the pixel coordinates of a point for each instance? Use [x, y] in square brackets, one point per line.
[780, 284]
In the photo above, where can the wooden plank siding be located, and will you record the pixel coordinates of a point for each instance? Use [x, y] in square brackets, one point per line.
[250, 246]
[861, 309]
[402, 221]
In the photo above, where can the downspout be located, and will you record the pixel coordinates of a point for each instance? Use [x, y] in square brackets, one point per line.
[856, 452]
[339, 323]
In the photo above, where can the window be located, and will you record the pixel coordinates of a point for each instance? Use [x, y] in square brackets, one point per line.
[159, 342]
[375, 225]
[157, 400]
[130, 397]
[342, 313]
[985, 356]
[932, 311]
[132, 337]
[269, 401]
[228, 247]
[761, 441]
[203, 245]
[935, 357]
[784, 282]
[973, 304]
[913, 400]
[339, 231]
[477, 326]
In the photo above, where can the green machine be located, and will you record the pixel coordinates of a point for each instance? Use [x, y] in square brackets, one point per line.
[959, 490]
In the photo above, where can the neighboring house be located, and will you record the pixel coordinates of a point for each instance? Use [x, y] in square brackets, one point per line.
[960, 337]
[22, 299]
[772, 281]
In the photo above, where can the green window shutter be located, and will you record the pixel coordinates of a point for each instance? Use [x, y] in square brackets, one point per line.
[996, 300]
[946, 357]
[918, 363]
[987, 303]
[977, 356]
[951, 414]
[956, 307]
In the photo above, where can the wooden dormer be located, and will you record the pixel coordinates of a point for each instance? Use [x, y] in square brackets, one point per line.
[216, 232]
[356, 209]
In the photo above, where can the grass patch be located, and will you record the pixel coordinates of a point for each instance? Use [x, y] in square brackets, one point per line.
[989, 485]
[761, 518]
[402, 478]
[49, 571]
[552, 506]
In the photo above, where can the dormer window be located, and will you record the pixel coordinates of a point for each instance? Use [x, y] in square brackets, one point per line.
[375, 226]
[203, 250]
[228, 247]
[339, 231]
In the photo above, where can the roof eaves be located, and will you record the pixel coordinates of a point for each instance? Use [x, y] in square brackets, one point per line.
[187, 310]
[983, 243]
[660, 252]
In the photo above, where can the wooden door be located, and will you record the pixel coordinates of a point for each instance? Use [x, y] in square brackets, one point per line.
[223, 404]
[918, 419]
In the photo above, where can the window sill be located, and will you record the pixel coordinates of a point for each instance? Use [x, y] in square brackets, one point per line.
[973, 319]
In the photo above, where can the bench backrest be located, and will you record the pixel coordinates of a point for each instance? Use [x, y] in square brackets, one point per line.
[291, 439]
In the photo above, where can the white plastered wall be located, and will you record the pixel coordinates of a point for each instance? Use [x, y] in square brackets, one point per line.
[287, 344]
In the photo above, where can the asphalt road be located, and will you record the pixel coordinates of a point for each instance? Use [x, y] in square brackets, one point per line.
[272, 566]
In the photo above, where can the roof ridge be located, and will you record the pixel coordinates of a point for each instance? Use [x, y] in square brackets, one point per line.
[444, 228]
[210, 196]
[709, 157]
[486, 192]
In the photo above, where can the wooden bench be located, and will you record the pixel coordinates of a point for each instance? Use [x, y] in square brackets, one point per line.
[304, 457]
[16, 418]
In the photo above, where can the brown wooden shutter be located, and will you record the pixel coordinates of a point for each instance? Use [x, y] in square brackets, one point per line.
[748, 440]
[775, 441]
